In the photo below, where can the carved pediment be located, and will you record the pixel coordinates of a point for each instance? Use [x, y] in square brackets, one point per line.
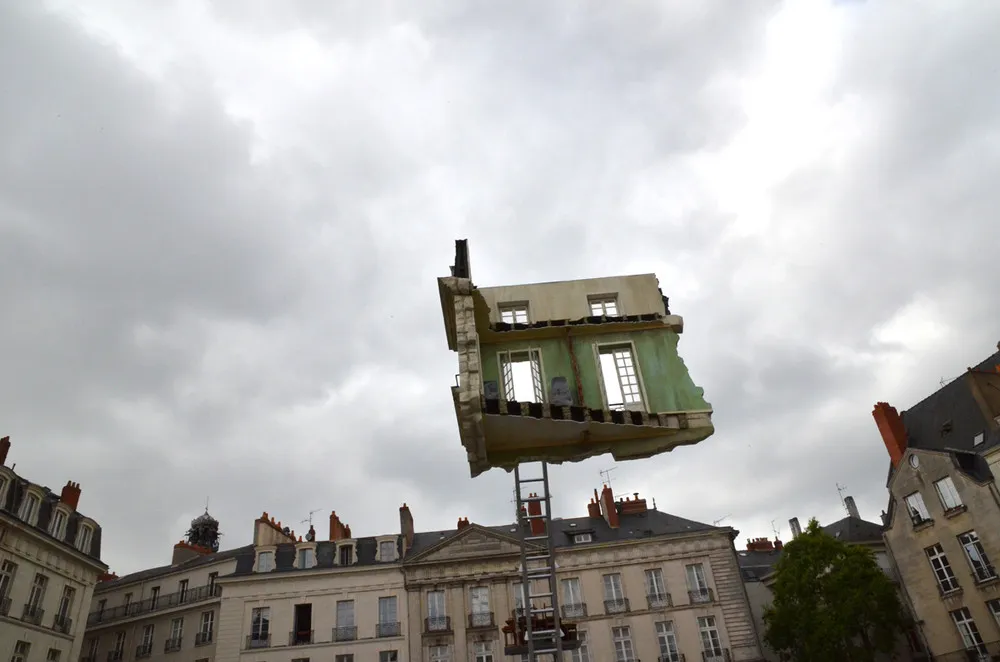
[474, 542]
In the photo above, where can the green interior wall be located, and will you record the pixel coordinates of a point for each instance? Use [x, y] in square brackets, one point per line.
[668, 384]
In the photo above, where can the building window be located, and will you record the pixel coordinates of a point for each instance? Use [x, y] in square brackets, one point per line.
[345, 657]
[212, 576]
[346, 628]
[519, 597]
[346, 553]
[604, 305]
[387, 550]
[33, 608]
[127, 602]
[207, 627]
[307, 557]
[388, 656]
[967, 629]
[697, 584]
[614, 596]
[942, 569]
[3, 488]
[514, 313]
[101, 604]
[265, 561]
[29, 508]
[437, 617]
[388, 617]
[21, 650]
[439, 654]
[994, 607]
[950, 499]
[176, 635]
[53, 655]
[260, 627]
[62, 618]
[154, 596]
[620, 378]
[57, 528]
[624, 652]
[483, 651]
[118, 650]
[581, 654]
[479, 600]
[711, 645]
[92, 647]
[7, 571]
[668, 642]
[522, 375]
[582, 537]
[573, 605]
[84, 538]
[182, 590]
[147, 638]
[916, 508]
[978, 439]
[976, 555]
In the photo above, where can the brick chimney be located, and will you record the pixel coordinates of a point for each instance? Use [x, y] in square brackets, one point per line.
[71, 494]
[4, 449]
[760, 545]
[890, 425]
[406, 527]
[852, 508]
[778, 545]
[463, 522]
[338, 531]
[594, 507]
[535, 508]
[629, 507]
[608, 509]
[185, 551]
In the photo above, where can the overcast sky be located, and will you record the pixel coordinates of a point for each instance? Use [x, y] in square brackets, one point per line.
[221, 224]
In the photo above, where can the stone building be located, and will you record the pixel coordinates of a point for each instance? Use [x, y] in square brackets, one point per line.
[942, 525]
[167, 612]
[50, 561]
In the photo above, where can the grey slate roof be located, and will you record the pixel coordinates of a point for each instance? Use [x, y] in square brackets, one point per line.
[755, 565]
[163, 570]
[326, 554]
[12, 504]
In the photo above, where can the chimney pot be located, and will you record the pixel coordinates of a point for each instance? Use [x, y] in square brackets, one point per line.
[71, 494]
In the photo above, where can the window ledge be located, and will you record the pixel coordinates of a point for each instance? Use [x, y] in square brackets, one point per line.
[988, 582]
[923, 524]
[955, 592]
[957, 510]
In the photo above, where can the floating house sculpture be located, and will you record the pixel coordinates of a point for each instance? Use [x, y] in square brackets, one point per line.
[563, 371]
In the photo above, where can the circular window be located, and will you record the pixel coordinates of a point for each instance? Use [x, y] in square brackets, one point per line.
[914, 461]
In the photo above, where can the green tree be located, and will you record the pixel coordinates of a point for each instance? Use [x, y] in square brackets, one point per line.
[832, 602]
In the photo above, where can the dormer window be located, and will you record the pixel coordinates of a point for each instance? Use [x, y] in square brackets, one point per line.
[978, 439]
[582, 537]
[29, 508]
[387, 551]
[57, 527]
[265, 561]
[345, 554]
[514, 313]
[4, 482]
[306, 557]
[84, 537]
[604, 304]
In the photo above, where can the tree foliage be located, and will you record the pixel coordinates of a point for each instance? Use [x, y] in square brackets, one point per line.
[832, 602]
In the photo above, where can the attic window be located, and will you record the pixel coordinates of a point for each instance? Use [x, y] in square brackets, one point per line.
[265, 561]
[978, 439]
[582, 537]
[605, 304]
[346, 554]
[522, 375]
[514, 313]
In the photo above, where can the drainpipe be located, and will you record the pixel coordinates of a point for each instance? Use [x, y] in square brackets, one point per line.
[576, 369]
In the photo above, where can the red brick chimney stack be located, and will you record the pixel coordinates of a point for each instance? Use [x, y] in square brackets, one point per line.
[4, 449]
[463, 522]
[608, 509]
[890, 425]
[630, 507]
[535, 508]
[338, 531]
[406, 527]
[71, 494]
[762, 545]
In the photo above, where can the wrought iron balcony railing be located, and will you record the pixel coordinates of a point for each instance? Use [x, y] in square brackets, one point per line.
[985, 652]
[255, 641]
[4, 606]
[437, 624]
[32, 614]
[172, 645]
[716, 655]
[345, 633]
[616, 606]
[575, 610]
[62, 623]
[671, 657]
[159, 603]
[301, 637]
[659, 600]
[203, 637]
[143, 651]
[481, 619]
[701, 595]
[387, 629]
[115, 656]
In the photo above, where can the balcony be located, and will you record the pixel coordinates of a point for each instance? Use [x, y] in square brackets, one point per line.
[671, 657]
[32, 614]
[387, 629]
[616, 606]
[659, 600]
[437, 624]
[143, 651]
[62, 623]
[576, 610]
[345, 633]
[482, 619]
[115, 656]
[172, 645]
[4, 606]
[717, 655]
[151, 605]
[255, 641]
[701, 595]
[203, 638]
[301, 637]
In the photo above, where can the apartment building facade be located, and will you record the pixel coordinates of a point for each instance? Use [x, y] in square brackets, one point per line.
[50, 561]
[639, 584]
[169, 612]
[941, 524]
[294, 599]
[568, 370]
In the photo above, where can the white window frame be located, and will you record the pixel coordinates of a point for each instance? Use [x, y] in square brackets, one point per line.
[511, 309]
[600, 302]
[354, 553]
[30, 505]
[605, 347]
[386, 543]
[572, 592]
[36, 594]
[440, 653]
[479, 606]
[265, 560]
[66, 601]
[21, 651]
[309, 549]
[579, 538]
[176, 629]
[504, 358]
[697, 580]
[975, 554]
[349, 612]
[972, 639]
[84, 537]
[656, 585]
[260, 624]
[943, 572]
[994, 607]
[948, 494]
[57, 528]
[483, 651]
[520, 595]
[581, 654]
[148, 632]
[385, 599]
[613, 590]
[979, 439]
[621, 637]
[433, 612]
[8, 572]
[711, 640]
[915, 502]
[667, 640]
[206, 626]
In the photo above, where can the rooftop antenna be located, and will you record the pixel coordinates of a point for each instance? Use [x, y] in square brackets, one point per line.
[777, 531]
[721, 520]
[206, 504]
[310, 519]
[840, 491]
[606, 476]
